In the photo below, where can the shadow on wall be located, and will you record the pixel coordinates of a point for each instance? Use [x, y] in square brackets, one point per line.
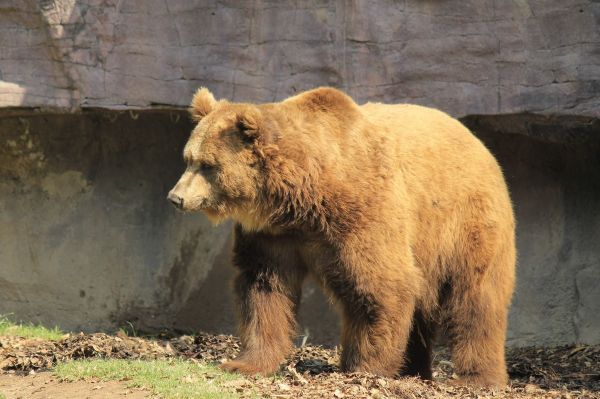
[89, 240]
[552, 166]
[88, 237]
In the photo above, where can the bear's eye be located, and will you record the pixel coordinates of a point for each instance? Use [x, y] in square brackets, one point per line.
[206, 167]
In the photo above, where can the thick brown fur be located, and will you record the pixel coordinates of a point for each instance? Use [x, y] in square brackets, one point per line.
[399, 212]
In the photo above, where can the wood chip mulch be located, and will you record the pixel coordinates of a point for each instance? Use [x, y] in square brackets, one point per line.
[559, 372]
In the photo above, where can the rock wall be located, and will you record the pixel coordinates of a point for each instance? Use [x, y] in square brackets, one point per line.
[466, 57]
[92, 129]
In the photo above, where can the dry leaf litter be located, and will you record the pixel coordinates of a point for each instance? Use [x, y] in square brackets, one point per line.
[561, 372]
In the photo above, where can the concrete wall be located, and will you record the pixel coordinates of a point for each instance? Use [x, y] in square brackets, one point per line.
[92, 130]
[87, 238]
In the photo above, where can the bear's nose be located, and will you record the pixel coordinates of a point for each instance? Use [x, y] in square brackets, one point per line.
[175, 200]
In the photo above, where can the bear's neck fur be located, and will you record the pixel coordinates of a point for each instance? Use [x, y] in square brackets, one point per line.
[306, 169]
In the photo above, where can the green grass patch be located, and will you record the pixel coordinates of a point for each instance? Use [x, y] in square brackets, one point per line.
[2, 396]
[167, 378]
[28, 330]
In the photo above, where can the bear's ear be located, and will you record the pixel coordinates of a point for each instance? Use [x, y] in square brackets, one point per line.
[202, 104]
[248, 123]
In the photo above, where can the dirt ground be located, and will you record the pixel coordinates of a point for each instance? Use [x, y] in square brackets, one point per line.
[561, 372]
[44, 385]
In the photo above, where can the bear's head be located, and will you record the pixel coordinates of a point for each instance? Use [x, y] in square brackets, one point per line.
[224, 157]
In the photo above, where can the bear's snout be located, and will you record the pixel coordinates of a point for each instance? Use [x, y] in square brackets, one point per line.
[175, 199]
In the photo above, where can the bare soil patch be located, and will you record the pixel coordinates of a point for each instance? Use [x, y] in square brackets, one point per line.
[561, 372]
[45, 386]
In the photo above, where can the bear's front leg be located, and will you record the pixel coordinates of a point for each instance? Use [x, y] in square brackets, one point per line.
[377, 295]
[268, 288]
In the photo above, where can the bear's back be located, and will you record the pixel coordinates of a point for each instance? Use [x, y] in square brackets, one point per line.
[417, 127]
[443, 167]
[431, 140]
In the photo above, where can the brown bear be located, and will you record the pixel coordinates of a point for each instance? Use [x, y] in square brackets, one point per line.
[398, 211]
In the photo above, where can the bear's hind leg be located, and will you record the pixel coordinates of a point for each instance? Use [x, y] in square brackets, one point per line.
[418, 352]
[478, 328]
[481, 284]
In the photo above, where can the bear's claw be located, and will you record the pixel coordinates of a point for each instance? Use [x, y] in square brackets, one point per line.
[239, 366]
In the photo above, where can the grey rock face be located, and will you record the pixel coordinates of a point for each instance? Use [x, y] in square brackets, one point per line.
[86, 238]
[466, 57]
